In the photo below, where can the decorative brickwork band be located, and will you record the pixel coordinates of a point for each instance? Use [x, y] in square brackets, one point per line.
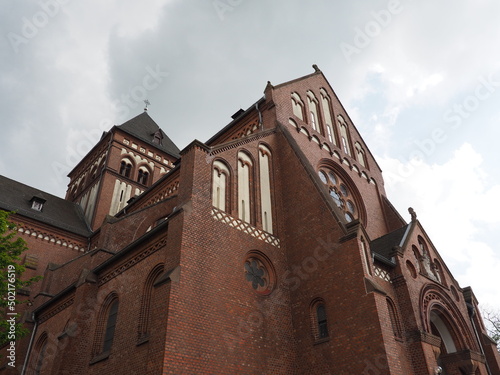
[245, 227]
[167, 191]
[56, 310]
[381, 273]
[133, 261]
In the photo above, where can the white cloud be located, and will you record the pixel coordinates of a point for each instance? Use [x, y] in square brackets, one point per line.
[459, 211]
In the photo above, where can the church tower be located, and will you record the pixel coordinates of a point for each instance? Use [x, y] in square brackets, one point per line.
[127, 160]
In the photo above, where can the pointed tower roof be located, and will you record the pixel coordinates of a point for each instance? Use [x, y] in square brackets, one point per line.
[146, 129]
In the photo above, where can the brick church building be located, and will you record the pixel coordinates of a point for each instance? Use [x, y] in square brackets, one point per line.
[271, 248]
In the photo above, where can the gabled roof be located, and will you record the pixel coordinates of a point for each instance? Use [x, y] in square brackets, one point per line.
[60, 213]
[236, 119]
[383, 247]
[144, 128]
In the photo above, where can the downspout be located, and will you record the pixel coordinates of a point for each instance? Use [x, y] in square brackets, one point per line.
[472, 312]
[30, 345]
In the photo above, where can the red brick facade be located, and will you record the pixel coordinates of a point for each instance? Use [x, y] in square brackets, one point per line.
[270, 249]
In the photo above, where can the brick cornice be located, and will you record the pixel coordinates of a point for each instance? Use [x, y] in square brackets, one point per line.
[131, 261]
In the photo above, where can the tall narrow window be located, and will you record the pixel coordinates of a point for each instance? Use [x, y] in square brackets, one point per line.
[105, 329]
[146, 301]
[220, 185]
[143, 176]
[244, 191]
[325, 102]
[396, 326]
[360, 154]
[109, 334]
[297, 106]
[367, 256]
[319, 319]
[313, 112]
[125, 168]
[322, 321]
[313, 120]
[265, 188]
[344, 135]
[41, 348]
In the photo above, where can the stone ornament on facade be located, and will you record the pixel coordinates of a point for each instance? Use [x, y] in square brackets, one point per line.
[259, 272]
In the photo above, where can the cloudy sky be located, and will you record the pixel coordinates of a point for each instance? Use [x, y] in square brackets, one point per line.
[420, 79]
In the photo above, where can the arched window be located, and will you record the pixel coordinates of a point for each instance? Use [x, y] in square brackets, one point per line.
[438, 272]
[319, 319]
[440, 328]
[106, 325]
[322, 321]
[143, 330]
[366, 254]
[427, 266]
[360, 154]
[327, 111]
[125, 168]
[109, 333]
[344, 135]
[340, 193]
[220, 186]
[395, 322]
[265, 188]
[418, 258]
[313, 112]
[143, 176]
[297, 106]
[39, 354]
[244, 191]
[93, 172]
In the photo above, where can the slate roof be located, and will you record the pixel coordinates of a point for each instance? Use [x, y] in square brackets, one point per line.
[383, 246]
[143, 127]
[60, 213]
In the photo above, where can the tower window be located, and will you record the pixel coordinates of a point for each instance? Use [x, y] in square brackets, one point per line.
[157, 137]
[125, 168]
[143, 177]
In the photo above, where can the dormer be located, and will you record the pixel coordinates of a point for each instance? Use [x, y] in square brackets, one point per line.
[37, 203]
